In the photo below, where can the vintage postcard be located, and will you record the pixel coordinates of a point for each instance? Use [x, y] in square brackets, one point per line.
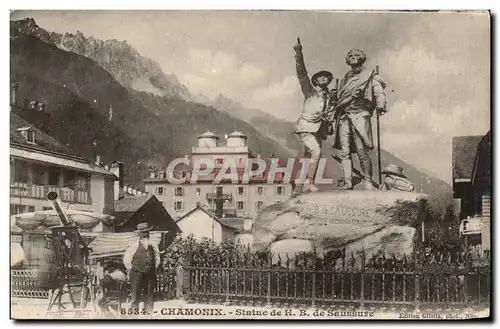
[250, 165]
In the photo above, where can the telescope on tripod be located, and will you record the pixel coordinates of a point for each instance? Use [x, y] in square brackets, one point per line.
[56, 202]
[71, 253]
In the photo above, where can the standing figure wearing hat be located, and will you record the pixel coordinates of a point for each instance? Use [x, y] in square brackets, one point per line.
[310, 124]
[142, 260]
[360, 92]
[395, 179]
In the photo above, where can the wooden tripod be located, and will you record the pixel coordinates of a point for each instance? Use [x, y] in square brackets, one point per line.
[71, 255]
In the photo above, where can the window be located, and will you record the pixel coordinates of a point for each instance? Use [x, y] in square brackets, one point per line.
[210, 202]
[259, 205]
[260, 190]
[31, 208]
[159, 190]
[241, 190]
[280, 190]
[54, 175]
[198, 191]
[179, 174]
[178, 206]
[83, 181]
[69, 179]
[46, 208]
[21, 172]
[17, 209]
[179, 191]
[38, 174]
[219, 161]
[241, 205]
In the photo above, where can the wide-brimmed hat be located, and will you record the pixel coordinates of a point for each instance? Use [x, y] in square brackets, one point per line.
[143, 228]
[393, 169]
[326, 74]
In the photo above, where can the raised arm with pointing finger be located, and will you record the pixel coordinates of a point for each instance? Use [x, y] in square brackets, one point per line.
[316, 101]
[305, 83]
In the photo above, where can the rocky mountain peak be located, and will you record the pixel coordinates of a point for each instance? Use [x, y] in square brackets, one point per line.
[117, 57]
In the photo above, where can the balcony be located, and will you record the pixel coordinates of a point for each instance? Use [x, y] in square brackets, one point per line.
[223, 196]
[22, 190]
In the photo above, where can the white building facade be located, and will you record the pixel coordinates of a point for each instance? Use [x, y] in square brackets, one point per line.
[39, 164]
[201, 225]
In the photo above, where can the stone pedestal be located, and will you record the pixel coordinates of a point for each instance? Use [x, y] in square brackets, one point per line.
[376, 221]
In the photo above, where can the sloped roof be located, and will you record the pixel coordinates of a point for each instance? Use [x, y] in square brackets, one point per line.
[482, 163]
[48, 146]
[221, 221]
[208, 134]
[237, 134]
[131, 203]
[114, 244]
[235, 223]
[44, 142]
[464, 150]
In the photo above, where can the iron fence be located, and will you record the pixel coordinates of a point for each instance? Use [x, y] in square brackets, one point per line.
[28, 284]
[166, 285]
[417, 282]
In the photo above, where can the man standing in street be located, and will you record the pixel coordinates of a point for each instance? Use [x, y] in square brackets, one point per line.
[360, 92]
[142, 260]
[310, 125]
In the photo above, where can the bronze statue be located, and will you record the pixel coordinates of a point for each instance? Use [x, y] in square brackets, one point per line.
[360, 93]
[310, 124]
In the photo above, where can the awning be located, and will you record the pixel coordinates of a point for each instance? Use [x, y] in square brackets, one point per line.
[115, 244]
[48, 218]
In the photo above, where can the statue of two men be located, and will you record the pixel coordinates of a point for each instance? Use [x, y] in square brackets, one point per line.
[344, 112]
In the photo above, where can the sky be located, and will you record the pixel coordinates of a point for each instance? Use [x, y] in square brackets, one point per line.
[436, 65]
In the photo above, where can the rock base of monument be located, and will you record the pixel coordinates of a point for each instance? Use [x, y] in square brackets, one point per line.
[392, 241]
[375, 222]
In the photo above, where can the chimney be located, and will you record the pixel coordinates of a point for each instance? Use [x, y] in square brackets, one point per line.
[13, 94]
[116, 168]
[97, 159]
